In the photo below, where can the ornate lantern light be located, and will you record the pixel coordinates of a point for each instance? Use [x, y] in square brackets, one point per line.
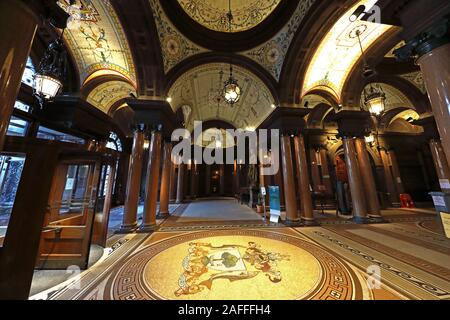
[231, 91]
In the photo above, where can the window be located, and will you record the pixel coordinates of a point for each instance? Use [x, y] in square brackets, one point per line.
[11, 167]
[114, 142]
[17, 127]
[49, 134]
[22, 106]
[74, 195]
[28, 75]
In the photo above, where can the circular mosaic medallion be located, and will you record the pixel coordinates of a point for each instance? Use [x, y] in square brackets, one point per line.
[230, 265]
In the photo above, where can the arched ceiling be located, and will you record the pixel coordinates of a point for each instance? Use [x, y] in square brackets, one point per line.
[197, 91]
[212, 14]
[108, 93]
[97, 41]
[339, 51]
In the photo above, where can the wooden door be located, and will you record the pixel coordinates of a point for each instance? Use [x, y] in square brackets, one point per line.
[67, 232]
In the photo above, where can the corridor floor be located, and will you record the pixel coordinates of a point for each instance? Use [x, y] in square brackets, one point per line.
[409, 256]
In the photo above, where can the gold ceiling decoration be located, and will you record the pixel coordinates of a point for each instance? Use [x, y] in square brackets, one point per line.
[339, 51]
[175, 47]
[97, 40]
[271, 54]
[212, 14]
[105, 95]
[200, 87]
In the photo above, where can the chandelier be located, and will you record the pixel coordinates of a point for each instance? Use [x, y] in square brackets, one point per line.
[51, 72]
[231, 91]
[375, 99]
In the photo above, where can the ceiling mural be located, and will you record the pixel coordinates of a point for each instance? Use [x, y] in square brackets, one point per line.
[212, 14]
[97, 40]
[339, 51]
[201, 89]
[416, 78]
[271, 54]
[174, 45]
[104, 96]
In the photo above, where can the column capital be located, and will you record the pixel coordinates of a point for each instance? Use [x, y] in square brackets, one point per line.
[353, 123]
[428, 123]
[427, 41]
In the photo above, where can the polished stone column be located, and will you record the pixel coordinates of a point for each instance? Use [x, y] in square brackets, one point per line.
[134, 183]
[396, 173]
[435, 66]
[303, 181]
[165, 182]
[208, 180]
[173, 182]
[235, 179]
[290, 196]
[180, 184]
[441, 164]
[326, 175]
[18, 27]
[389, 178]
[152, 184]
[315, 172]
[222, 179]
[193, 177]
[355, 181]
[368, 179]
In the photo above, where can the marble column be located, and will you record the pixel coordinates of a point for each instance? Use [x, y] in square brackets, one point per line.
[355, 181]
[222, 179]
[235, 179]
[326, 175]
[129, 223]
[290, 195]
[173, 182]
[396, 173]
[441, 165]
[315, 172]
[435, 66]
[303, 181]
[208, 180]
[193, 177]
[180, 184]
[165, 181]
[389, 178]
[368, 179]
[18, 24]
[152, 184]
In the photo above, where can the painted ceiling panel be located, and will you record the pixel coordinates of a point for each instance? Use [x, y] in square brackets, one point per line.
[416, 78]
[200, 88]
[212, 14]
[174, 45]
[97, 39]
[271, 54]
[107, 94]
[339, 51]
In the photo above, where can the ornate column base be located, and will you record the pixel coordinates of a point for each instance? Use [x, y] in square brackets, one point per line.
[147, 228]
[162, 215]
[361, 220]
[377, 219]
[293, 223]
[125, 229]
[310, 222]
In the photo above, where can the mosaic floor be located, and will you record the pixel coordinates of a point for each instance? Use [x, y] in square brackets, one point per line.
[407, 258]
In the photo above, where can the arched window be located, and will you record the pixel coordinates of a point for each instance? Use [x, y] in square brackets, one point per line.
[28, 75]
[114, 142]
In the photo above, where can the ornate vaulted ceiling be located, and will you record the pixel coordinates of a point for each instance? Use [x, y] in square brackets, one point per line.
[98, 42]
[339, 51]
[197, 91]
[212, 14]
